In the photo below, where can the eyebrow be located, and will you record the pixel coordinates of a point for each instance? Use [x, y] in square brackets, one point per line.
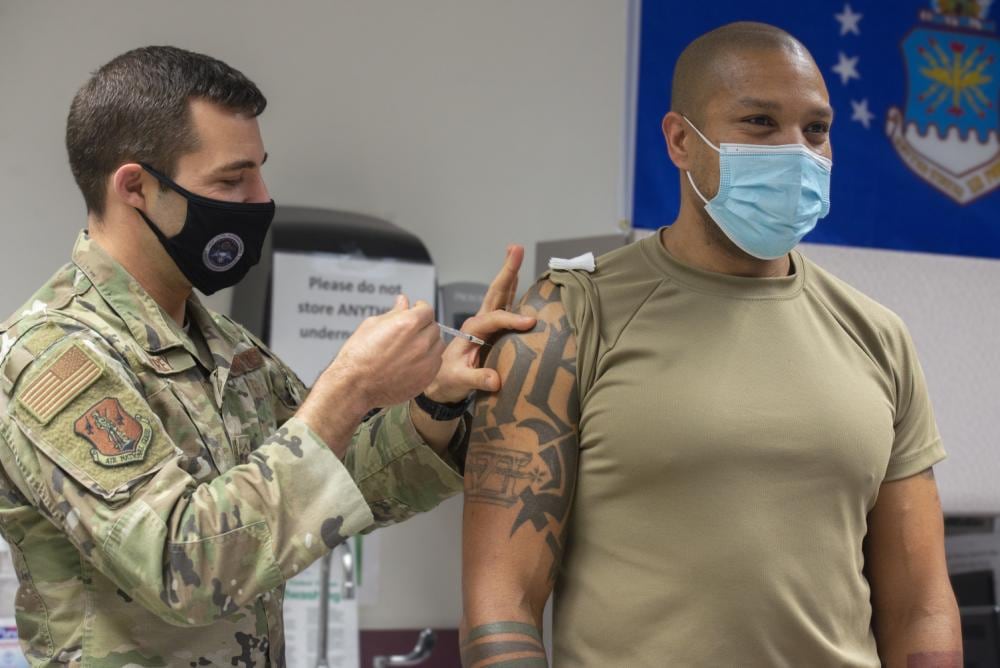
[755, 103]
[240, 164]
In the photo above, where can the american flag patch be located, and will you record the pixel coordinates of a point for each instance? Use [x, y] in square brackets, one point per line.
[61, 382]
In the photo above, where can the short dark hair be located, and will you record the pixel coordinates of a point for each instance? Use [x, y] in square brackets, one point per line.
[694, 72]
[136, 108]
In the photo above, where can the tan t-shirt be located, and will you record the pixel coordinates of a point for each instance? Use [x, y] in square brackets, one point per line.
[734, 434]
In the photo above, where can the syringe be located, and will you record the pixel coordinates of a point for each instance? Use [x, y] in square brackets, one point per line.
[462, 335]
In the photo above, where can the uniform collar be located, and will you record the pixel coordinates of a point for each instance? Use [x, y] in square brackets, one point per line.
[149, 324]
[219, 345]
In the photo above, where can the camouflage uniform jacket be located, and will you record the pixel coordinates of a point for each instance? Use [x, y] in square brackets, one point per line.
[156, 490]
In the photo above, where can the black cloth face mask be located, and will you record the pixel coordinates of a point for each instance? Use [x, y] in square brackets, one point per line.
[219, 242]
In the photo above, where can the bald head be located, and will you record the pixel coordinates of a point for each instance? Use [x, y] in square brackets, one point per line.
[708, 63]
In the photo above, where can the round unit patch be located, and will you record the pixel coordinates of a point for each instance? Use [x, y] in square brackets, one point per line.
[223, 252]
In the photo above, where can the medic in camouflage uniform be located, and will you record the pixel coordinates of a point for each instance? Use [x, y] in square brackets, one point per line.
[157, 485]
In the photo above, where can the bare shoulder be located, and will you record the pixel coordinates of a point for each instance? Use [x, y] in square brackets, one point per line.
[537, 369]
[523, 453]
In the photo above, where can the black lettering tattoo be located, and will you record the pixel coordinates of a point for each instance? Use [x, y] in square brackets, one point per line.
[538, 397]
[552, 361]
[540, 295]
[545, 431]
[534, 508]
[524, 357]
[495, 473]
[551, 458]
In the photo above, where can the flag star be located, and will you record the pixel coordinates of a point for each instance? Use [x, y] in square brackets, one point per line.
[847, 68]
[849, 21]
[861, 113]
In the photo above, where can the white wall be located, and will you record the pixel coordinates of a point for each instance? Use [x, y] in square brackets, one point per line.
[949, 304]
[471, 123]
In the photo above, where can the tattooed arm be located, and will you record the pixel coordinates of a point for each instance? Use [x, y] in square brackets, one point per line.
[520, 474]
[915, 616]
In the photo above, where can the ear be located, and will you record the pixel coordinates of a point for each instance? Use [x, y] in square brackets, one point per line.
[677, 134]
[127, 184]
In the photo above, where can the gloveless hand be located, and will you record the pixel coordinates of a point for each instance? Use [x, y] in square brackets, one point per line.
[460, 373]
[391, 358]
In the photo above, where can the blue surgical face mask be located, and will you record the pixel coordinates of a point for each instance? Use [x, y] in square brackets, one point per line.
[769, 196]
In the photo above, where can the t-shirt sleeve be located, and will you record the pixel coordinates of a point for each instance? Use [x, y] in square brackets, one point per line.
[916, 443]
[580, 299]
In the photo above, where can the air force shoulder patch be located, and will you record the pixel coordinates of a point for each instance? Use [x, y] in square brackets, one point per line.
[116, 437]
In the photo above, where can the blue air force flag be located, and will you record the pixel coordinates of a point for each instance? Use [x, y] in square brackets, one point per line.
[915, 86]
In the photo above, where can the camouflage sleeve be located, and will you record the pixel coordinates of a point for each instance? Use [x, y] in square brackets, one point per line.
[398, 473]
[96, 459]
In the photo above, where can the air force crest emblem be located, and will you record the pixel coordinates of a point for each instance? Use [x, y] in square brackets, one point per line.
[116, 436]
[948, 132]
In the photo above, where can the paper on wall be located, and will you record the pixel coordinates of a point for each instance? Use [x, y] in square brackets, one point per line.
[319, 299]
[302, 600]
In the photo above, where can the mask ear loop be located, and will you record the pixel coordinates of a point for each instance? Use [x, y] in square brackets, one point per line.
[710, 144]
[697, 192]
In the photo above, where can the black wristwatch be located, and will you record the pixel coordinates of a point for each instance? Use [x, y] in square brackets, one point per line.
[443, 412]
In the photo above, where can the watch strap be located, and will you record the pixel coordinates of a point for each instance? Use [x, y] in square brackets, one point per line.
[441, 411]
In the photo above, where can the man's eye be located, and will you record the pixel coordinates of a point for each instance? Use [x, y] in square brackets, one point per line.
[818, 128]
[231, 183]
[763, 121]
